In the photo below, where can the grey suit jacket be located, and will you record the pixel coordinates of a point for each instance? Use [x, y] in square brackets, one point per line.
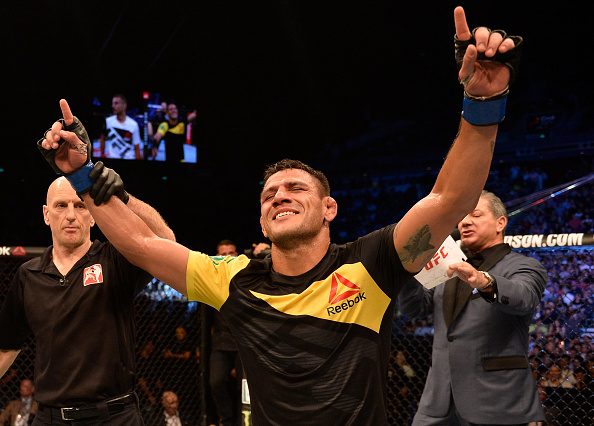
[480, 360]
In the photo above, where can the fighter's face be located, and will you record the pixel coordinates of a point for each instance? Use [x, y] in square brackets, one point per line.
[293, 208]
[172, 112]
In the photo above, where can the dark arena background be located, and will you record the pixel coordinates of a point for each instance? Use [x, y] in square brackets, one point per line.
[365, 91]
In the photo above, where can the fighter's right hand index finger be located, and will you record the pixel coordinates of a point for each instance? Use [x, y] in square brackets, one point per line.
[462, 30]
[66, 113]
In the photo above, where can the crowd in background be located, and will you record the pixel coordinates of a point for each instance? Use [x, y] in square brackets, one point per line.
[372, 201]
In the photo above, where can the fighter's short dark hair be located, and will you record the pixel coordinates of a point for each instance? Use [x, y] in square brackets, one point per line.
[287, 164]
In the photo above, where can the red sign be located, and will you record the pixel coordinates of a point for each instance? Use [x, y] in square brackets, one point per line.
[19, 251]
[441, 254]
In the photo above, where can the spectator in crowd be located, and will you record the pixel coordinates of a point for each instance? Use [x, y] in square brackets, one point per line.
[178, 366]
[21, 411]
[149, 380]
[121, 135]
[409, 385]
[539, 370]
[159, 116]
[182, 346]
[557, 330]
[404, 380]
[170, 415]
[566, 374]
[576, 361]
[423, 327]
[173, 133]
[554, 379]
[538, 328]
[583, 381]
[404, 366]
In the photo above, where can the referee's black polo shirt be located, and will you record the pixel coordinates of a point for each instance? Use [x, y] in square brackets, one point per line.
[83, 325]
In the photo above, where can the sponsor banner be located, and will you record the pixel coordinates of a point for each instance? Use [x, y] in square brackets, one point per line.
[21, 251]
[550, 240]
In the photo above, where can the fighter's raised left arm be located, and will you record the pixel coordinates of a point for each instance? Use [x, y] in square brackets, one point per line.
[485, 70]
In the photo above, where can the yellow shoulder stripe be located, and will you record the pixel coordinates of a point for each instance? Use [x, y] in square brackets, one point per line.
[208, 278]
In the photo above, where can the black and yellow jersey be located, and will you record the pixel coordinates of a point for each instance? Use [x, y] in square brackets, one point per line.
[314, 347]
[175, 138]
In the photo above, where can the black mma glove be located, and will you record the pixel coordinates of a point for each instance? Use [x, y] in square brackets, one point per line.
[79, 179]
[511, 58]
[107, 183]
[482, 111]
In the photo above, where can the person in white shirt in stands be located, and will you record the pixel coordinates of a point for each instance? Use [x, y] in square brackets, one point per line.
[121, 136]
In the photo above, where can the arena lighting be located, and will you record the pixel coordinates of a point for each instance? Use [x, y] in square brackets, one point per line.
[537, 198]
[158, 291]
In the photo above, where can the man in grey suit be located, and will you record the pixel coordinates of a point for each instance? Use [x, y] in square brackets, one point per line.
[480, 374]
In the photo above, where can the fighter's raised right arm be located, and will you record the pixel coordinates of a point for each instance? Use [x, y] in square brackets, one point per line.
[161, 257]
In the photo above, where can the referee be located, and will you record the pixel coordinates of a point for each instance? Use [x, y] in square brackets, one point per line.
[77, 302]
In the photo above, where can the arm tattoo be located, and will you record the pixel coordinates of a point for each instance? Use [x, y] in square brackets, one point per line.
[81, 148]
[417, 245]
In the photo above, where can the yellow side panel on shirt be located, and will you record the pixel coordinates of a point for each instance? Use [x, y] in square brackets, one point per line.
[208, 277]
[178, 129]
[350, 295]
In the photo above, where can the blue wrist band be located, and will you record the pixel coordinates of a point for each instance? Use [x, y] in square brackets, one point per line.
[80, 180]
[484, 112]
